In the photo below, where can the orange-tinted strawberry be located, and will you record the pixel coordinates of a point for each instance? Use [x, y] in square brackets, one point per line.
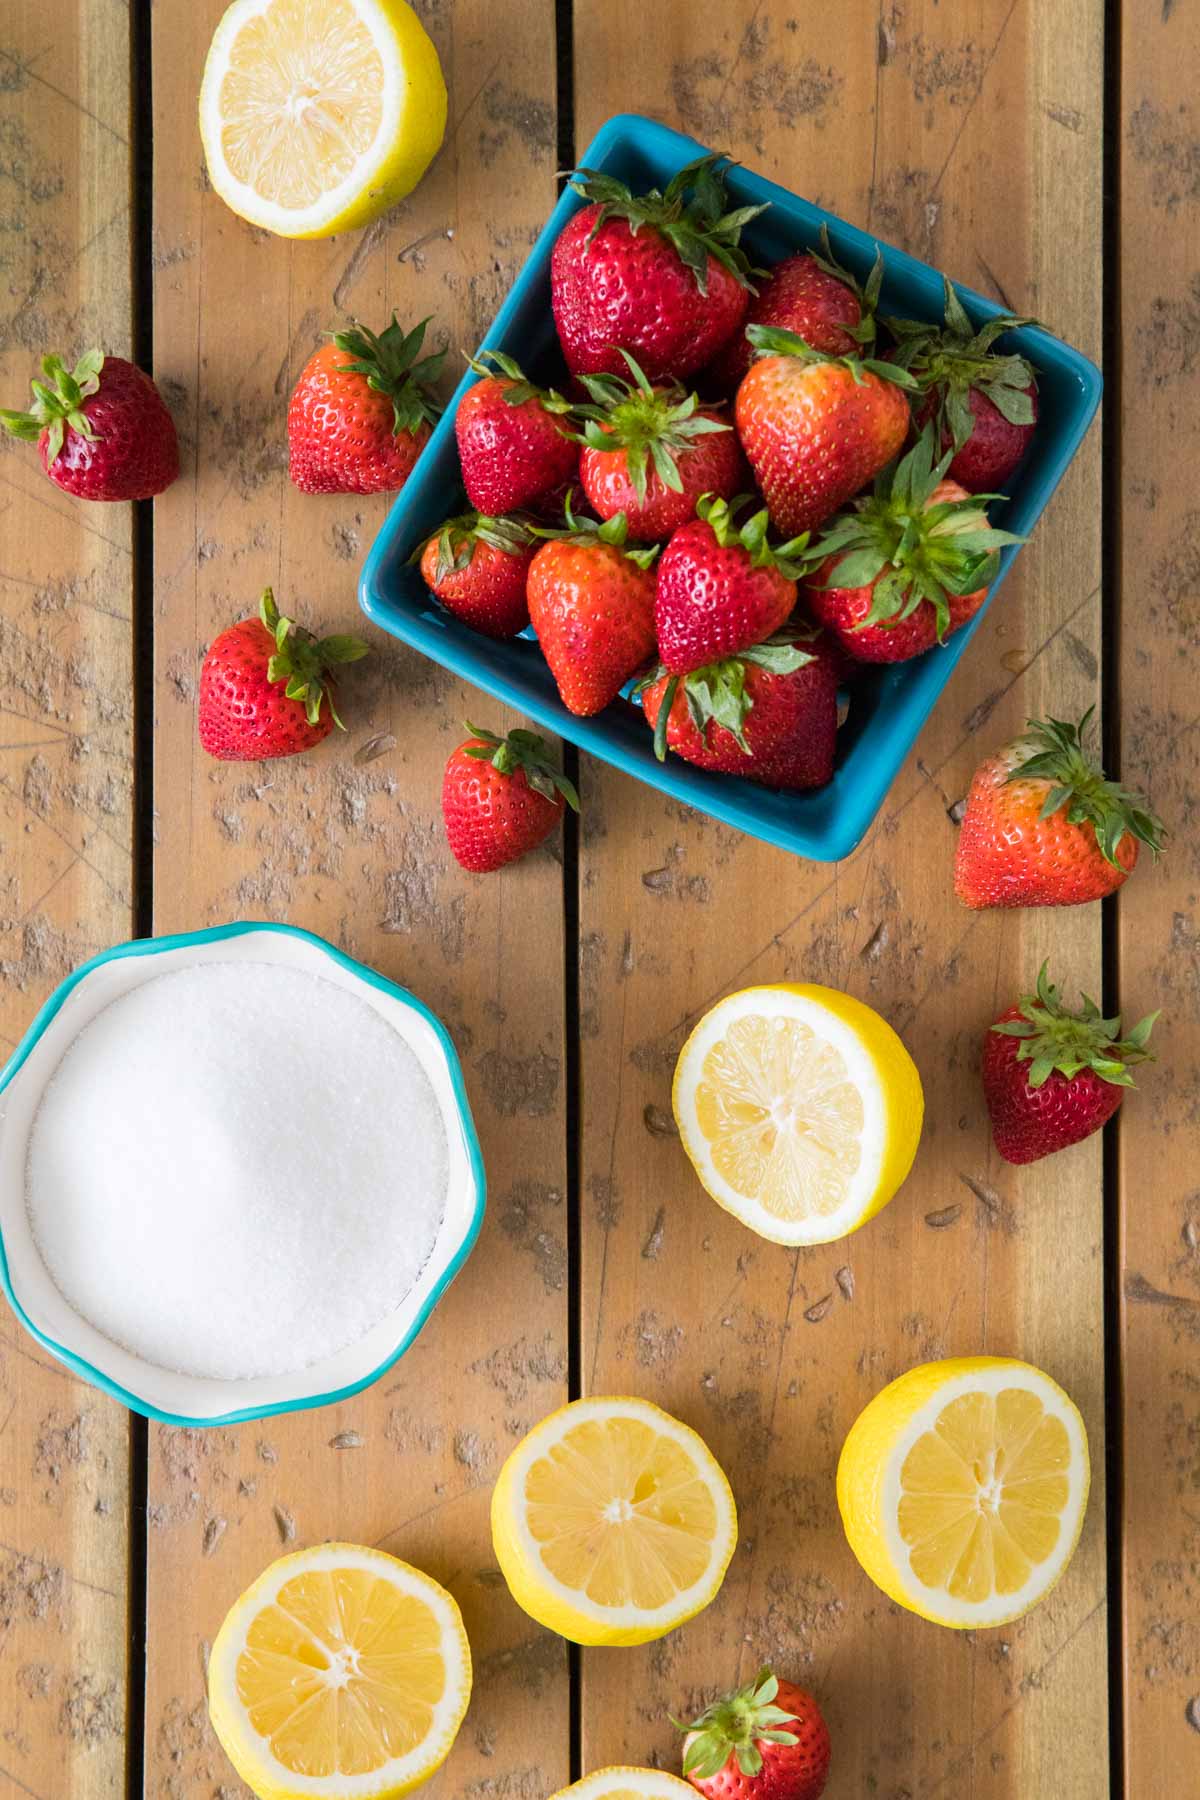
[812, 295]
[478, 566]
[359, 416]
[908, 565]
[1052, 1077]
[660, 275]
[102, 429]
[501, 797]
[816, 428]
[266, 688]
[721, 587]
[514, 438]
[591, 602]
[1044, 827]
[982, 402]
[650, 452]
[768, 714]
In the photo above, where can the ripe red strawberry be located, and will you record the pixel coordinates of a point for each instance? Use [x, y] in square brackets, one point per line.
[477, 566]
[651, 452]
[767, 1741]
[769, 714]
[514, 439]
[721, 587]
[501, 797]
[102, 429]
[816, 428]
[1052, 1077]
[812, 295]
[659, 274]
[591, 602]
[360, 414]
[983, 403]
[908, 565]
[1043, 827]
[265, 688]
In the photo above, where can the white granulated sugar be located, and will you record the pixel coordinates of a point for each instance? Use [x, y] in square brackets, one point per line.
[237, 1170]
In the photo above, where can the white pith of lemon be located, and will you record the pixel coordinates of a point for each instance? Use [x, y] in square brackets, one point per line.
[613, 1522]
[800, 1109]
[963, 1487]
[341, 1673]
[317, 115]
[628, 1784]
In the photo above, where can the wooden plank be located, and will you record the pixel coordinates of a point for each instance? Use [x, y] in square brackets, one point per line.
[66, 733]
[1159, 139]
[348, 841]
[970, 135]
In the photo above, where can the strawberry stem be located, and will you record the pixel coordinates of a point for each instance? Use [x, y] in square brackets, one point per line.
[59, 405]
[951, 359]
[690, 214]
[1061, 755]
[651, 424]
[301, 661]
[392, 366]
[1054, 1038]
[736, 1725]
[522, 750]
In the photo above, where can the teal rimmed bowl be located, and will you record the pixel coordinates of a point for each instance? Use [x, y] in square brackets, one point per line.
[161, 1393]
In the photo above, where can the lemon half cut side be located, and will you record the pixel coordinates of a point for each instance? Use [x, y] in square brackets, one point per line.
[627, 1784]
[317, 115]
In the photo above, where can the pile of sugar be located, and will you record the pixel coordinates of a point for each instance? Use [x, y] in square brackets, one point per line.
[237, 1170]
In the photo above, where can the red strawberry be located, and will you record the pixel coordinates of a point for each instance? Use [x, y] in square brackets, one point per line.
[984, 403]
[769, 715]
[1052, 1077]
[514, 439]
[501, 797]
[591, 602]
[816, 428]
[812, 295]
[907, 566]
[657, 274]
[651, 452]
[721, 587]
[767, 1741]
[477, 566]
[359, 416]
[102, 429]
[1043, 827]
[265, 689]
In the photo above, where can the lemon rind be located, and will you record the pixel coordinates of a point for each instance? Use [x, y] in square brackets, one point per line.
[654, 1784]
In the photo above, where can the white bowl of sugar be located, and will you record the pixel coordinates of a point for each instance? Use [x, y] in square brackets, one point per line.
[237, 1171]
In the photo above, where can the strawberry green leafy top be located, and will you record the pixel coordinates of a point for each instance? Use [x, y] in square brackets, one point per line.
[690, 214]
[1055, 1039]
[1060, 754]
[866, 293]
[59, 405]
[491, 363]
[614, 532]
[952, 358]
[390, 363]
[738, 1724]
[776, 340]
[457, 538]
[522, 750]
[301, 661]
[718, 692]
[651, 424]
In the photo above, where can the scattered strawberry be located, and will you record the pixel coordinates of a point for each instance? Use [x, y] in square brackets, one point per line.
[659, 274]
[650, 452]
[767, 1741]
[591, 602]
[102, 429]
[721, 587]
[907, 566]
[983, 403]
[1052, 1077]
[501, 797]
[477, 566]
[265, 688]
[816, 428]
[768, 714]
[360, 414]
[1043, 827]
[812, 295]
[514, 438]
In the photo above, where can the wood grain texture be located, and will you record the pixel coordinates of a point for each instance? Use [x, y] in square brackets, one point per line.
[65, 857]
[348, 841]
[1159, 949]
[971, 136]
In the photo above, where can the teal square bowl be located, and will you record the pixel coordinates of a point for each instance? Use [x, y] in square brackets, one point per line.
[888, 705]
[161, 1393]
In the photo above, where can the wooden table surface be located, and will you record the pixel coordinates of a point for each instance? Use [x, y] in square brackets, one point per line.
[1044, 151]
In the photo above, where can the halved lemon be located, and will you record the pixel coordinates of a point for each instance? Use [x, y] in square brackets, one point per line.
[317, 115]
[628, 1784]
[341, 1672]
[800, 1109]
[962, 1488]
[613, 1522]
